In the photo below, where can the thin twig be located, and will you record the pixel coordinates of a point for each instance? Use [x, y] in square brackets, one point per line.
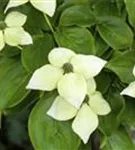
[95, 141]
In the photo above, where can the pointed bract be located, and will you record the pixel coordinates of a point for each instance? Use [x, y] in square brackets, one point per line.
[72, 87]
[91, 86]
[45, 78]
[26, 38]
[15, 19]
[134, 71]
[17, 36]
[130, 90]
[59, 56]
[85, 123]
[61, 110]
[2, 42]
[46, 6]
[87, 65]
[15, 3]
[98, 104]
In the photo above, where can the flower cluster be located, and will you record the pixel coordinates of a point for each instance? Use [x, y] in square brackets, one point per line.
[73, 76]
[70, 73]
[11, 30]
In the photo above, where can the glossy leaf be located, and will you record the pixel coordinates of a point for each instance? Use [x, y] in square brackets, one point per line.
[115, 32]
[123, 65]
[80, 15]
[78, 39]
[13, 79]
[130, 5]
[47, 133]
[120, 140]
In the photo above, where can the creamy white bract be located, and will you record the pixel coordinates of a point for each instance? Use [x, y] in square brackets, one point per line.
[72, 74]
[65, 74]
[12, 32]
[85, 118]
[130, 90]
[46, 6]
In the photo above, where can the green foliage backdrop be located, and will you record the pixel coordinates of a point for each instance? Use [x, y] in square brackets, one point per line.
[104, 28]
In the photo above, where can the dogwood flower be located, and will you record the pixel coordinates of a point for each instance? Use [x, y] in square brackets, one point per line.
[130, 90]
[46, 6]
[68, 72]
[12, 32]
[86, 118]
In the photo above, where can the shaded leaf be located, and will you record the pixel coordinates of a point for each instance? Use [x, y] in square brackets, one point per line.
[13, 79]
[100, 45]
[119, 140]
[128, 116]
[130, 6]
[105, 8]
[111, 122]
[36, 55]
[123, 65]
[47, 133]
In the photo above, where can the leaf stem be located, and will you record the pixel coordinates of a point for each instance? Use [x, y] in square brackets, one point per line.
[49, 24]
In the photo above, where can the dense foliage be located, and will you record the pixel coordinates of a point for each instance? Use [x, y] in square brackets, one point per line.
[104, 28]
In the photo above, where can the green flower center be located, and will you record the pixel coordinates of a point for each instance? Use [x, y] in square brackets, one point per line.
[2, 25]
[67, 67]
[86, 99]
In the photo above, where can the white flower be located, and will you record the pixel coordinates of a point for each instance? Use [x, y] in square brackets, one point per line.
[46, 6]
[86, 118]
[12, 32]
[68, 72]
[130, 90]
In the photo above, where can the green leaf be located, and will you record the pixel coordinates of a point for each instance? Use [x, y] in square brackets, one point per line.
[130, 6]
[85, 146]
[16, 128]
[119, 140]
[103, 76]
[115, 32]
[47, 133]
[100, 45]
[69, 3]
[80, 15]
[110, 123]
[123, 65]
[36, 55]
[3, 4]
[128, 116]
[28, 101]
[105, 8]
[13, 80]
[76, 38]
[121, 8]
[10, 51]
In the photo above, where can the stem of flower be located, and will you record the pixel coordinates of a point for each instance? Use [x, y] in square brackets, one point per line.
[95, 141]
[49, 24]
